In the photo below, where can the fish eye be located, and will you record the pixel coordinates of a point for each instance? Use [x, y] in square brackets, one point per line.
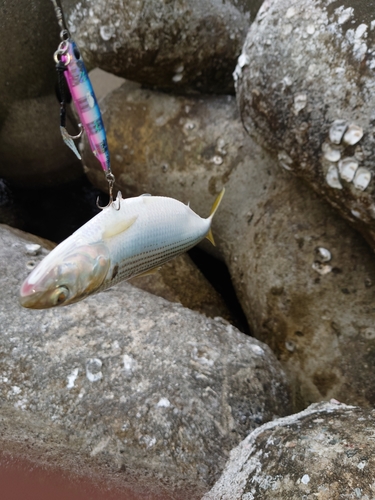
[60, 295]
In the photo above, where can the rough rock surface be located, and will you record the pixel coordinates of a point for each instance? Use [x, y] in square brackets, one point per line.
[305, 86]
[325, 452]
[170, 45]
[313, 307]
[32, 152]
[307, 283]
[128, 388]
[179, 280]
[184, 147]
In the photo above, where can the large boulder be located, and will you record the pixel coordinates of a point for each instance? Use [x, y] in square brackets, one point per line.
[32, 153]
[179, 46]
[186, 147]
[305, 88]
[325, 452]
[179, 280]
[127, 388]
[29, 35]
[305, 279]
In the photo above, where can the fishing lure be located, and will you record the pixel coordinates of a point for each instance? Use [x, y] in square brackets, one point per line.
[70, 65]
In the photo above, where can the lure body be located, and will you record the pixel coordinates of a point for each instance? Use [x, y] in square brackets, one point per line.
[69, 61]
[133, 239]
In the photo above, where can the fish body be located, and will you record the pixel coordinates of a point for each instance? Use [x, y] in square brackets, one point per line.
[134, 238]
[83, 96]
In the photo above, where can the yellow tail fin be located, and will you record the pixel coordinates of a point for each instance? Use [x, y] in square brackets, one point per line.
[215, 206]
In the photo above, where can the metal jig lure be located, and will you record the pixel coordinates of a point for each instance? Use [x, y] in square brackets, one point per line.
[70, 64]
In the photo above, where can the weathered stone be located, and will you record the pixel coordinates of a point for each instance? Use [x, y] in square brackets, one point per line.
[185, 147]
[29, 35]
[31, 149]
[127, 387]
[179, 280]
[325, 452]
[273, 232]
[169, 45]
[305, 86]
[306, 281]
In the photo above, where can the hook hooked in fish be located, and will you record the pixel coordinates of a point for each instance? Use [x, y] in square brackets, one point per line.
[111, 181]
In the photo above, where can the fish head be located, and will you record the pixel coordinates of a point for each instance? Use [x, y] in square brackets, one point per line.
[66, 275]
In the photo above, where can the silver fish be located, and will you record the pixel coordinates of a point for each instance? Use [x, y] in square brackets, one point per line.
[134, 238]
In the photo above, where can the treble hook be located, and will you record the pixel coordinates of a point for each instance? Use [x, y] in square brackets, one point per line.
[68, 139]
[111, 180]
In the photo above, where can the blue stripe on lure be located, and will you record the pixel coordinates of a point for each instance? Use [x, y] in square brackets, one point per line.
[70, 63]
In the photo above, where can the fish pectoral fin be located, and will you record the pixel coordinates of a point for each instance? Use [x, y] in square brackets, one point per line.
[119, 227]
[150, 271]
[210, 237]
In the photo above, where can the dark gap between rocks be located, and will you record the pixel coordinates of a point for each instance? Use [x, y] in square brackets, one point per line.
[216, 272]
[55, 213]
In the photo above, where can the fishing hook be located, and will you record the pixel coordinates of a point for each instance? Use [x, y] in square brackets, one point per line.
[111, 180]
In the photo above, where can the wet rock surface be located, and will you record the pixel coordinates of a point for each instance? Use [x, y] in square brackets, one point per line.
[305, 279]
[128, 388]
[325, 452]
[189, 46]
[305, 88]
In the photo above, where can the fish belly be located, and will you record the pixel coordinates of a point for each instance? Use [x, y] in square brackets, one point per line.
[158, 235]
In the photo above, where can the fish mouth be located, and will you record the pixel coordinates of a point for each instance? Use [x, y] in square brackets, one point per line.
[31, 298]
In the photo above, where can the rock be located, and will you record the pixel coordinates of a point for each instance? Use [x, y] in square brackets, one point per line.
[30, 34]
[305, 87]
[178, 46]
[183, 147]
[104, 82]
[179, 280]
[36, 157]
[31, 149]
[128, 388]
[304, 278]
[306, 282]
[324, 452]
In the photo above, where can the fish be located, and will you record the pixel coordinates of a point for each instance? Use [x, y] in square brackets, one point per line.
[131, 237]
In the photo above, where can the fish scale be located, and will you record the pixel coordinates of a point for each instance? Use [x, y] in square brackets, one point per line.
[162, 230]
[128, 238]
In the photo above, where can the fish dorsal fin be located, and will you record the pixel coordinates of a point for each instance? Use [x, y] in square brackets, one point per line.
[118, 227]
[150, 271]
[216, 204]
